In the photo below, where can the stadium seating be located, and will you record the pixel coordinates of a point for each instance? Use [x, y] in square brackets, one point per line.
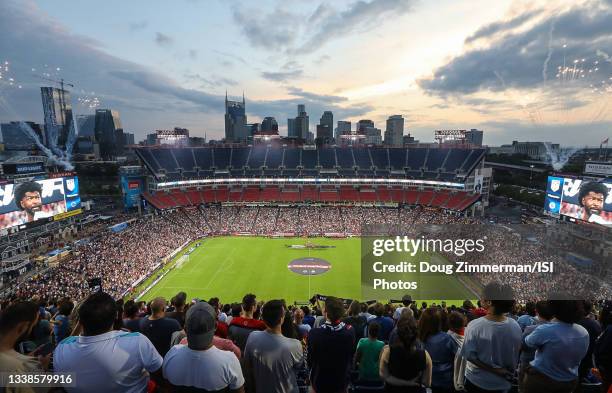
[443, 164]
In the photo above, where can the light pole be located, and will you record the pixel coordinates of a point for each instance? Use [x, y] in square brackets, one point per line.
[530, 174]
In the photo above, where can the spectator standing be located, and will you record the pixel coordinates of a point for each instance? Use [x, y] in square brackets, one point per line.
[158, 328]
[358, 322]
[200, 364]
[61, 322]
[107, 360]
[16, 322]
[560, 346]
[272, 360]
[492, 343]
[241, 327]
[404, 366]
[178, 312]
[330, 350]
[441, 348]
[368, 354]
[385, 322]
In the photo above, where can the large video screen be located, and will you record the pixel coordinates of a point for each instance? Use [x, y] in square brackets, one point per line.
[586, 200]
[38, 201]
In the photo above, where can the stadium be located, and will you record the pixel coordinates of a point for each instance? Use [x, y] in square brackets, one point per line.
[386, 208]
[292, 223]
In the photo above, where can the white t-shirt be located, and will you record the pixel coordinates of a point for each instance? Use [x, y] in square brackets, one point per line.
[115, 361]
[210, 370]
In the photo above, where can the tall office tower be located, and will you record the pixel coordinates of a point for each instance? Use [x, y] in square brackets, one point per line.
[86, 125]
[269, 125]
[235, 120]
[302, 125]
[57, 110]
[291, 128]
[344, 128]
[395, 131]
[373, 136]
[327, 119]
[108, 133]
[362, 125]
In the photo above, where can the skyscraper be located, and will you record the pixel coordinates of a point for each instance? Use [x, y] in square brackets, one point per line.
[372, 135]
[344, 128]
[108, 132]
[292, 129]
[362, 125]
[235, 120]
[395, 131]
[302, 122]
[86, 125]
[327, 119]
[57, 110]
[269, 125]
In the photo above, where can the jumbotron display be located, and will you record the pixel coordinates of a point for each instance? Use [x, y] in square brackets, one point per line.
[585, 200]
[35, 202]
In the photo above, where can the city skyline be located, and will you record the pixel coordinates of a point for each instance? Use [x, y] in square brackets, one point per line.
[170, 64]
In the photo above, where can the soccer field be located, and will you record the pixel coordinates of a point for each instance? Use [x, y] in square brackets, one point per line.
[230, 267]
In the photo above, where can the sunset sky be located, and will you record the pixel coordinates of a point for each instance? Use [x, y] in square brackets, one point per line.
[442, 64]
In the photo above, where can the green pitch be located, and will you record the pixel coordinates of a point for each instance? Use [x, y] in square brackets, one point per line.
[230, 267]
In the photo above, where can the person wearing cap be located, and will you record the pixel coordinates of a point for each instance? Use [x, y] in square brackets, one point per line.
[270, 359]
[200, 364]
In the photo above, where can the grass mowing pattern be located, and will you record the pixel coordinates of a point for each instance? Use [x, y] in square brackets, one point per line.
[229, 267]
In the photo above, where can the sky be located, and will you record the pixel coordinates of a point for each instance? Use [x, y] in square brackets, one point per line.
[522, 70]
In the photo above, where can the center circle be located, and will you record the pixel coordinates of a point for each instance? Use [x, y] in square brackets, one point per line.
[309, 266]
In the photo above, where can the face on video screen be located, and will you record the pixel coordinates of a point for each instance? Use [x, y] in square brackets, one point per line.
[28, 198]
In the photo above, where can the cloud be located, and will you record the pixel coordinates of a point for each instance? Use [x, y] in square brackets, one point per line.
[492, 29]
[322, 59]
[193, 54]
[136, 26]
[214, 81]
[298, 34]
[295, 91]
[163, 39]
[273, 31]
[520, 57]
[282, 76]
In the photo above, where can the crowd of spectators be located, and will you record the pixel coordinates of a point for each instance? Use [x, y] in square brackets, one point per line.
[124, 258]
[327, 346]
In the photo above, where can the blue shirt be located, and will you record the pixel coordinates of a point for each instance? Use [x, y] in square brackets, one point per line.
[61, 331]
[386, 325]
[496, 344]
[560, 348]
[442, 349]
[526, 320]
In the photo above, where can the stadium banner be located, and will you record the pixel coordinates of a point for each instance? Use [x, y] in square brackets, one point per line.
[65, 215]
[118, 227]
[36, 202]
[430, 261]
[131, 188]
[22, 169]
[579, 199]
[598, 168]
